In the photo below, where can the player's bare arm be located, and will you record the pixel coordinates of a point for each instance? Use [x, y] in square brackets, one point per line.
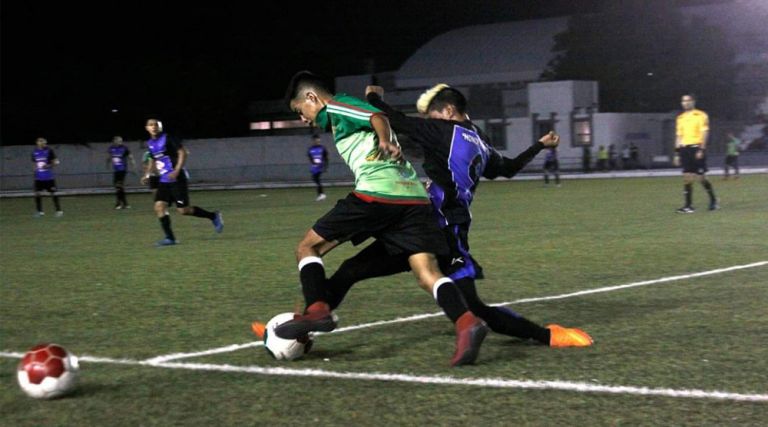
[380, 125]
[182, 159]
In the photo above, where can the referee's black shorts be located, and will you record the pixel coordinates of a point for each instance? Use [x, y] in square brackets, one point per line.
[690, 163]
[408, 229]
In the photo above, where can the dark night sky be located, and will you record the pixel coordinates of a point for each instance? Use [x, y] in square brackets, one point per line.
[66, 65]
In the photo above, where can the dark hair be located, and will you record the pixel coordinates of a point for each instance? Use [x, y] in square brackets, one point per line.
[305, 80]
[448, 96]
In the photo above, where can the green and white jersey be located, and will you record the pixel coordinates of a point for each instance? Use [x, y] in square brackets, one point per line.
[376, 179]
[733, 147]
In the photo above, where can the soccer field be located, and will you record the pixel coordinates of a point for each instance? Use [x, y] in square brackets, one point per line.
[676, 305]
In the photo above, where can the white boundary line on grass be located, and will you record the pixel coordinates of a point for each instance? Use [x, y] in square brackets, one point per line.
[578, 387]
[235, 347]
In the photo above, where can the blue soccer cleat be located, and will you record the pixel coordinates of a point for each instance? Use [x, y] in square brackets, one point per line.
[218, 222]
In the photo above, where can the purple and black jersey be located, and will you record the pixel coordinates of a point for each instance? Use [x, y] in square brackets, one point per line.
[119, 154]
[318, 158]
[456, 156]
[43, 158]
[551, 155]
[165, 153]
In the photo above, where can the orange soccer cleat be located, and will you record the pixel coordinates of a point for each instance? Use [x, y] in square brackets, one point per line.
[259, 329]
[561, 337]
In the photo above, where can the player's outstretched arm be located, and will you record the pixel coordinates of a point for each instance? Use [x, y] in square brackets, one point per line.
[506, 167]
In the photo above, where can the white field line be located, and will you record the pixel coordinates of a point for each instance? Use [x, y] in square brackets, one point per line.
[235, 347]
[577, 387]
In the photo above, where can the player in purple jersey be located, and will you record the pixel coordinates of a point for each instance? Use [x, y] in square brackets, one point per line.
[120, 159]
[318, 160]
[551, 165]
[44, 160]
[169, 157]
[457, 154]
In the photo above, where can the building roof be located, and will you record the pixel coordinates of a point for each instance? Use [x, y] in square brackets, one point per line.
[503, 52]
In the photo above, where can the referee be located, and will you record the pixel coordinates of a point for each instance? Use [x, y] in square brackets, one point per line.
[690, 151]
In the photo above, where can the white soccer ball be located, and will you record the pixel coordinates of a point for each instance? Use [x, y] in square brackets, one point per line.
[47, 371]
[280, 348]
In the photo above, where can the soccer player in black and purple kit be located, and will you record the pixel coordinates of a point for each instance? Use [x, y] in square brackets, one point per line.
[168, 157]
[551, 164]
[120, 158]
[45, 159]
[456, 156]
[318, 160]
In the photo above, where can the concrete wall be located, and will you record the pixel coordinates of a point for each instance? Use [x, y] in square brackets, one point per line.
[226, 161]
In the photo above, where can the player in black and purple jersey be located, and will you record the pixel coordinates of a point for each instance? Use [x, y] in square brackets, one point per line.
[120, 157]
[169, 157]
[456, 155]
[44, 160]
[318, 160]
[551, 165]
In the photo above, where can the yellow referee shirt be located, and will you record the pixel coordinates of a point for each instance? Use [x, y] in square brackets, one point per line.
[691, 126]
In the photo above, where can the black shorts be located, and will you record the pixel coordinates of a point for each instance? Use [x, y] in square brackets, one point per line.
[459, 264]
[173, 193]
[118, 178]
[690, 163]
[551, 165]
[154, 182]
[408, 229]
[731, 160]
[49, 185]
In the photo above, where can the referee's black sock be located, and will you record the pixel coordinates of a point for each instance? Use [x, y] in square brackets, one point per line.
[688, 191]
[39, 203]
[449, 298]
[165, 222]
[312, 276]
[711, 191]
[56, 203]
[202, 213]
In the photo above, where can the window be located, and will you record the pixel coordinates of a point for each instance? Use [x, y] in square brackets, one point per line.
[259, 125]
[582, 133]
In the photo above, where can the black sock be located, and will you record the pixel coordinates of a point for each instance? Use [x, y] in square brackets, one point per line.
[546, 179]
[711, 191]
[373, 261]
[688, 191]
[501, 319]
[312, 276]
[165, 222]
[202, 213]
[449, 299]
[56, 202]
[557, 178]
[121, 197]
[39, 203]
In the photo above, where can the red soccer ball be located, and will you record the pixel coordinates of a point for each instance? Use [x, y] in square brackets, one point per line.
[47, 371]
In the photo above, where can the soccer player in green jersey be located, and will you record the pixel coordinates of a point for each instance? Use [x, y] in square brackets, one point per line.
[389, 203]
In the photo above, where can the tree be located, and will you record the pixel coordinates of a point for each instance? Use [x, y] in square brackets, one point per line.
[645, 56]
